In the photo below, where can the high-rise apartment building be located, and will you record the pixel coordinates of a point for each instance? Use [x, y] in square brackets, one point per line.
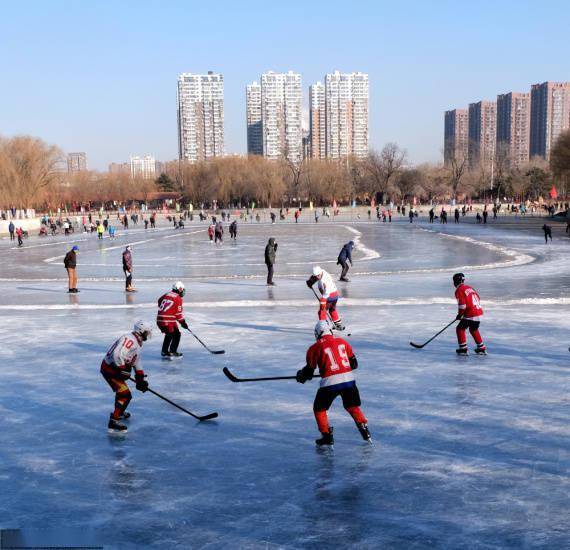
[317, 121]
[200, 116]
[482, 134]
[76, 162]
[281, 116]
[346, 105]
[549, 115]
[456, 136]
[120, 168]
[143, 167]
[513, 128]
[253, 116]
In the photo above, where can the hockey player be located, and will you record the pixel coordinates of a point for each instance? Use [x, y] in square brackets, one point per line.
[329, 296]
[122, 357]
[335, 360]
[469, 315]
[170, 315]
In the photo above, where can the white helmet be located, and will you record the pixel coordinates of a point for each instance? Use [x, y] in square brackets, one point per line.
[179, 288]
[322, 328]
[317, 271]
[143, 329]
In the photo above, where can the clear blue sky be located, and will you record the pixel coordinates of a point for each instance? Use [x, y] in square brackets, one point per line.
[100, 76]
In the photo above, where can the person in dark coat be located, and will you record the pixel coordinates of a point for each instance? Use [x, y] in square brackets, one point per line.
[233, 230]
[270, 251]
[70, 263]
[218, 232]
[11, 230]
[128, 269]
[547, 233]
[344, 257]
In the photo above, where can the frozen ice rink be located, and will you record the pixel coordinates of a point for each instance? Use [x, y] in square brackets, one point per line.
[469, 452]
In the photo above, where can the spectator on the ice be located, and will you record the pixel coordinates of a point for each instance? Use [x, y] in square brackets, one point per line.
[316, 216]
[272, 216]
[211, 231]
[218, 232]
[297, 214]
[443, 216]
[411, 215]
[128, 269]
[70, 263]
[270, 251]
[11, 230]
[431, 215]
[100, 230]
[547, 233]
[456, 215]
[485, 214]
[390, 215]
[233, 230]
[478, 217]
[20, 235]
[344, 258]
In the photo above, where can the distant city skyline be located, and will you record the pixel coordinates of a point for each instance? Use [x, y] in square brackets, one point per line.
[123, 99]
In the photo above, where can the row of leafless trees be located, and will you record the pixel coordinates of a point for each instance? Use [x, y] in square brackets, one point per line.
[31, 176]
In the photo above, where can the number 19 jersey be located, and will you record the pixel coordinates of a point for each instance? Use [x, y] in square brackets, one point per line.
[332, 357]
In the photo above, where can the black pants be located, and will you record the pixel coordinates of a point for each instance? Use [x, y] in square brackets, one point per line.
[171, 341]
[325, 397]
[345, 268]
[129, 278]
[11, 235]
[269, 274]
[546, 235]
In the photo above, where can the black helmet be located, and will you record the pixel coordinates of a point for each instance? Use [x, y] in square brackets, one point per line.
[458, 279]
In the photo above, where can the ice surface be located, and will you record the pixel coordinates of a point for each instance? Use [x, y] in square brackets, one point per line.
[469, 452]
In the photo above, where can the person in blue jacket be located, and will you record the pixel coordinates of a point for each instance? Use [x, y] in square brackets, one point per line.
[344, 257]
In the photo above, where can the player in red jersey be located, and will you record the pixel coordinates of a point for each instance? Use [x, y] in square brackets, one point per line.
[335, 360]
[469, 315]
[170, 314]
[121, 358]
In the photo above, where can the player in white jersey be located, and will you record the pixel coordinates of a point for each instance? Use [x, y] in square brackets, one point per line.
[329, 296]
[121, 358]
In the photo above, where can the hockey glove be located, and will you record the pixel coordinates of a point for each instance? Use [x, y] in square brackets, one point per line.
[353, 362]
[141, 383]
[304, 374]
[184, 324]
[459, 317]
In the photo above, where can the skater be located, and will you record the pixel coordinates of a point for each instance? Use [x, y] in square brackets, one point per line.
[456, 215]
[233, 230]
[70, 263]
[297, 214]
[469, 315]
[411, 215]
[547, 233]
[431, 215]
[211, 230]
[344, 257]
[11, 230]
[170, 315]
[219, 231]
[270, 251]
[335, 360]
[329, 296]
[122, 357]
[20, 235]
[100, 230]
[128, 269]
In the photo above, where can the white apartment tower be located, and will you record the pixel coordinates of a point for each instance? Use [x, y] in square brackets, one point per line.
[317, 121]
[144, 167]
[346, 105]
[253, 116]
[200, 116]
[281, 116]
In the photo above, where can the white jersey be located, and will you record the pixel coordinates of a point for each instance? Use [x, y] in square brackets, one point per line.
[326, 285]
[125, 354]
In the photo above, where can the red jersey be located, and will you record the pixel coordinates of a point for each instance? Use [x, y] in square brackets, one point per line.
[169, 310]
[468, 302]
[332, 357]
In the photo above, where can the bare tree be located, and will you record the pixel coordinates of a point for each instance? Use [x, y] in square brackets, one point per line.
[383, 167]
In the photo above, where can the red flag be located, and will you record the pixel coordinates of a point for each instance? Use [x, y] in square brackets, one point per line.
[553, 193]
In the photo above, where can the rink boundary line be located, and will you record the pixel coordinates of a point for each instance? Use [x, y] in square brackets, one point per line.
[351, 302]
[519, 258]
[125, 244]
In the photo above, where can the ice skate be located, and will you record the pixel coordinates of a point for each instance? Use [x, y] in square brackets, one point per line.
[481, 350]
[116, 427]
[326, 439]
[364, 432]
[462, 351]
[339, 326]
[175, 354]
[125, 416]
[166, 355]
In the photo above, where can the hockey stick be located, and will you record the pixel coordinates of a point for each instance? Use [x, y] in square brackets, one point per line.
[234, 378]
[419, 346]
[200, 418]
[215, 352]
